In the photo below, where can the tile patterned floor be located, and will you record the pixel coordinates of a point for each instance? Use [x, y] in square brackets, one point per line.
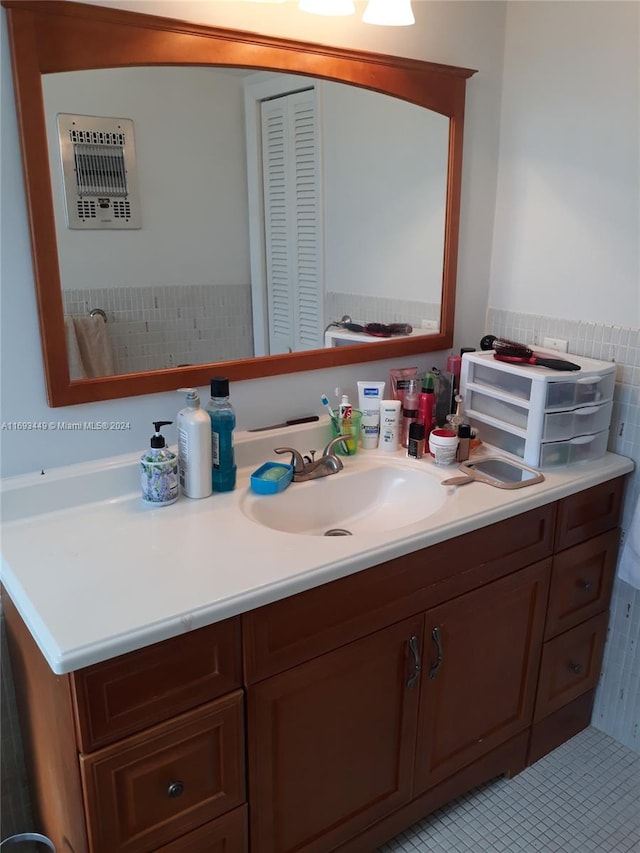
[582, 798]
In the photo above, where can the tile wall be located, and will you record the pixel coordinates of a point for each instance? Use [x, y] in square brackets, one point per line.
[617, 707]
[152, 328]
[379, 309]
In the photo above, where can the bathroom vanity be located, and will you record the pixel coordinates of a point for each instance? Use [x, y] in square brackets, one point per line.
[327, 692]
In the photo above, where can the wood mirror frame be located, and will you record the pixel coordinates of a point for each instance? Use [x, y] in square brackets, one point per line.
[49, 36]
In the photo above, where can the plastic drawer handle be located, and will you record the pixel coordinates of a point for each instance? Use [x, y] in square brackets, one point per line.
[589, 380]
[587, 410]
[582, 439]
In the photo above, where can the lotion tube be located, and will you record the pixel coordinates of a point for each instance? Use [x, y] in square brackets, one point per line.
[389, 425]
[194, 447]
[369, 396]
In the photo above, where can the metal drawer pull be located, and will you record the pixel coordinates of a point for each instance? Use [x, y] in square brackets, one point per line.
[436, 639]
[175, 789]
[587, 586]
[576, 667]
[417, 665]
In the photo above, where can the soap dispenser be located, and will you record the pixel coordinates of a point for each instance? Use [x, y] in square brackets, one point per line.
[194, 447]
[159, 470]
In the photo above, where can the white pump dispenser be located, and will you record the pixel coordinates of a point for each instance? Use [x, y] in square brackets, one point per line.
[194, 447]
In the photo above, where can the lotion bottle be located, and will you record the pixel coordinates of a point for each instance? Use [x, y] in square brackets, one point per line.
[159, 470]
[194, 447]
[369, 395]
[223, 421]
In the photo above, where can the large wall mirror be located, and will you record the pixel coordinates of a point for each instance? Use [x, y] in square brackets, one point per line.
[198, 288]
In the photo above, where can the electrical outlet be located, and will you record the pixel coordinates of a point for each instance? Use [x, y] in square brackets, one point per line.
[429, 324]
[556, 343]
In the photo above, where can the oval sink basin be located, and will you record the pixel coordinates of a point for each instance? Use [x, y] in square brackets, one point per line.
[353, 502]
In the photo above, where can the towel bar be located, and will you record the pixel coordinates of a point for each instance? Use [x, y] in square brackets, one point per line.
[99, 311]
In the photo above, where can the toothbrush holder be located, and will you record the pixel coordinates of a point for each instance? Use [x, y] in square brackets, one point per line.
[351, 429]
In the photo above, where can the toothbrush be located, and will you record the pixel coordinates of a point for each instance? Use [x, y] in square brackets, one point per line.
[325, 402]
[336, 424]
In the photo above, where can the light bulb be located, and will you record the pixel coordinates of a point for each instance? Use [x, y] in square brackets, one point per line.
[327, 7]
[389, 13]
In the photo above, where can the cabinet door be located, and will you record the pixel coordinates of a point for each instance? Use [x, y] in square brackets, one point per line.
[331, 742]
[482, 652]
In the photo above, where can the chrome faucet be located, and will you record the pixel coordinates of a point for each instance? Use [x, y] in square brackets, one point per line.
[305, 468]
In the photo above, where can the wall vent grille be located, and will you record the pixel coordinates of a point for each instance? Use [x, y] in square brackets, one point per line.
[98, 165]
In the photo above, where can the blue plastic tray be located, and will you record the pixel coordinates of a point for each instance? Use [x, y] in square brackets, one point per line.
[264, 483]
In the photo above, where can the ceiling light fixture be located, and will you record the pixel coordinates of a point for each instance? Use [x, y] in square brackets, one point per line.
[389, 13]
[327, 7]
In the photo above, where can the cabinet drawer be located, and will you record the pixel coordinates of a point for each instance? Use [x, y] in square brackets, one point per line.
[570, 665]
[588, 513]
[226, 834]
[156, 786]
[581, 582]
[128, 693]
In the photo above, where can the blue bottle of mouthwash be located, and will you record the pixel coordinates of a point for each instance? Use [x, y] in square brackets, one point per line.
[223, 421]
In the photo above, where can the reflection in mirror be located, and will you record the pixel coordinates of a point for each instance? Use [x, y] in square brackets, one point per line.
[58, 37]
[194, 284]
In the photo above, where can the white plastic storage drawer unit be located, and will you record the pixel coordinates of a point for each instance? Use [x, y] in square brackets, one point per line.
[546, 417]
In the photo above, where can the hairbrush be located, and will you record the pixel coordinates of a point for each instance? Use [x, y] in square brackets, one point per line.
[515, 353]
[388, 330]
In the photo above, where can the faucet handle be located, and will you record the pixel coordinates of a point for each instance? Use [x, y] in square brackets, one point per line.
[296, 458]
[330, 448]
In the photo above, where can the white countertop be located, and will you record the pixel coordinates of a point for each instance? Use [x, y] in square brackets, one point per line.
[94, 572]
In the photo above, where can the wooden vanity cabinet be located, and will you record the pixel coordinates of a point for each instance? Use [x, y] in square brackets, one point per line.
[346, 695]
[143, 753]
[358, 707]
[352, 736]
[583, 570]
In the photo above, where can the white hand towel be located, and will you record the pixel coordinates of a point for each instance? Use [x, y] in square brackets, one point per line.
[94, 346]
[629, 568]
[76, 369]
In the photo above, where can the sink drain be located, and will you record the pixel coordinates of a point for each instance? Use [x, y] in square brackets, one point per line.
[338, 531]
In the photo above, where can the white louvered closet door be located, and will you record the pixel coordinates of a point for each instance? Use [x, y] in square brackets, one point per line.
[293, 222]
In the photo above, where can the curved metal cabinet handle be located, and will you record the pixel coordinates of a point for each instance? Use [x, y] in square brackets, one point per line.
[417, 665]
[435, 634]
